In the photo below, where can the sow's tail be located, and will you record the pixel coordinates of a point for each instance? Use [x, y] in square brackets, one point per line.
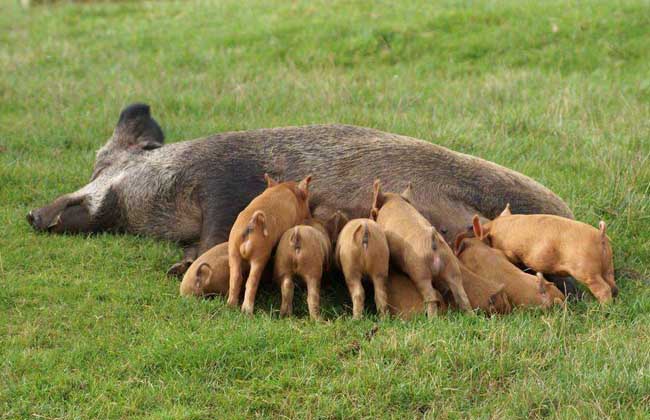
[257, 223]
[362, 236]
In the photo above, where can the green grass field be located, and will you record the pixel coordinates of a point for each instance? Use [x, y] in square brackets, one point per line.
[90, 327]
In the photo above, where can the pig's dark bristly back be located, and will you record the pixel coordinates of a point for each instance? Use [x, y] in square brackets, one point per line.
[346, 159]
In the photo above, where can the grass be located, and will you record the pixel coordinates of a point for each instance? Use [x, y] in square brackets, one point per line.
[90, 327]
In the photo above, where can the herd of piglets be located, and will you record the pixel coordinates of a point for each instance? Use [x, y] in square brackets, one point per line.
[411, 267]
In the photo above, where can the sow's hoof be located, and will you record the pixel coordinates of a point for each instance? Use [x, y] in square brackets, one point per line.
[178, 270]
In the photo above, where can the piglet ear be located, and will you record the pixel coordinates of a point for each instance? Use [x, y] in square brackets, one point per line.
[407, 194]
[459, 244]
[603, 228]
[203, 275]
[303, 187]
[506, 211]
[476, 226]
[335, 224]
[270, 182]
[378, 197]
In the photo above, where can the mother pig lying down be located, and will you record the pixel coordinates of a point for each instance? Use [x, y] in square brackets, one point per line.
[191, 192]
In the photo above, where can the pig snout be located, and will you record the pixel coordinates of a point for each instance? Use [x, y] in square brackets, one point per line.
[614, 291]
[35, 220]
[45, 220]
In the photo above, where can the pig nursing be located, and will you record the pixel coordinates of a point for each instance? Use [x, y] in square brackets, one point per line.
[303, 252]
[362, 251]
[258, 229]
[555, 245]
[411, 267]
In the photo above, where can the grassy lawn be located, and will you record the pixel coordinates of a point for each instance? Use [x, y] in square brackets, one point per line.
[90, 327]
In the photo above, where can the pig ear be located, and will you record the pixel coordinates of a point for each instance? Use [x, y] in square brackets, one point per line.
[203, 275]
[137, 130]
[303, 186]
[270, 182]
[378, 197]
[506, 211]
[476, 226]
[335, 224]
[459, 244]
[407, 194]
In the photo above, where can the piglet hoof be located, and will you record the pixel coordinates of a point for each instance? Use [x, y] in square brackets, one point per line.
[432, 310]
[604, 301]
[178, 270]
[247, 309]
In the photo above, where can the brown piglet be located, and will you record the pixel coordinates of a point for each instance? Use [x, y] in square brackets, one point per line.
[362, 251]
[485, 293]
[556, 245]
[404, 299]
[521, 288]
[258, 229]
[208, 275]
[304, 252]
[418, 250]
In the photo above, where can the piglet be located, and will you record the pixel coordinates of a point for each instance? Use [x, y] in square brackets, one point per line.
[485, 293]
[304, 253]
[556, 245]
[208, 275]
[362, 251]
[418, 250]
[521, 288]
[258, 229]
[404, 299]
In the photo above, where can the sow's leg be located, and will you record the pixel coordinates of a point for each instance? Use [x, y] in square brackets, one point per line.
[190, 253]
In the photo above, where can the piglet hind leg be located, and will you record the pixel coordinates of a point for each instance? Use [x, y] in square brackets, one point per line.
[452, 277]
[252, 283]
[424, 286]
[286, 288]
[313, 296]
[460, 296]
[236, 280]
[381, 294]
[357, 294]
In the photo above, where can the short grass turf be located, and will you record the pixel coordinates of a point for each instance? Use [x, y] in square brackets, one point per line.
[90, 327]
